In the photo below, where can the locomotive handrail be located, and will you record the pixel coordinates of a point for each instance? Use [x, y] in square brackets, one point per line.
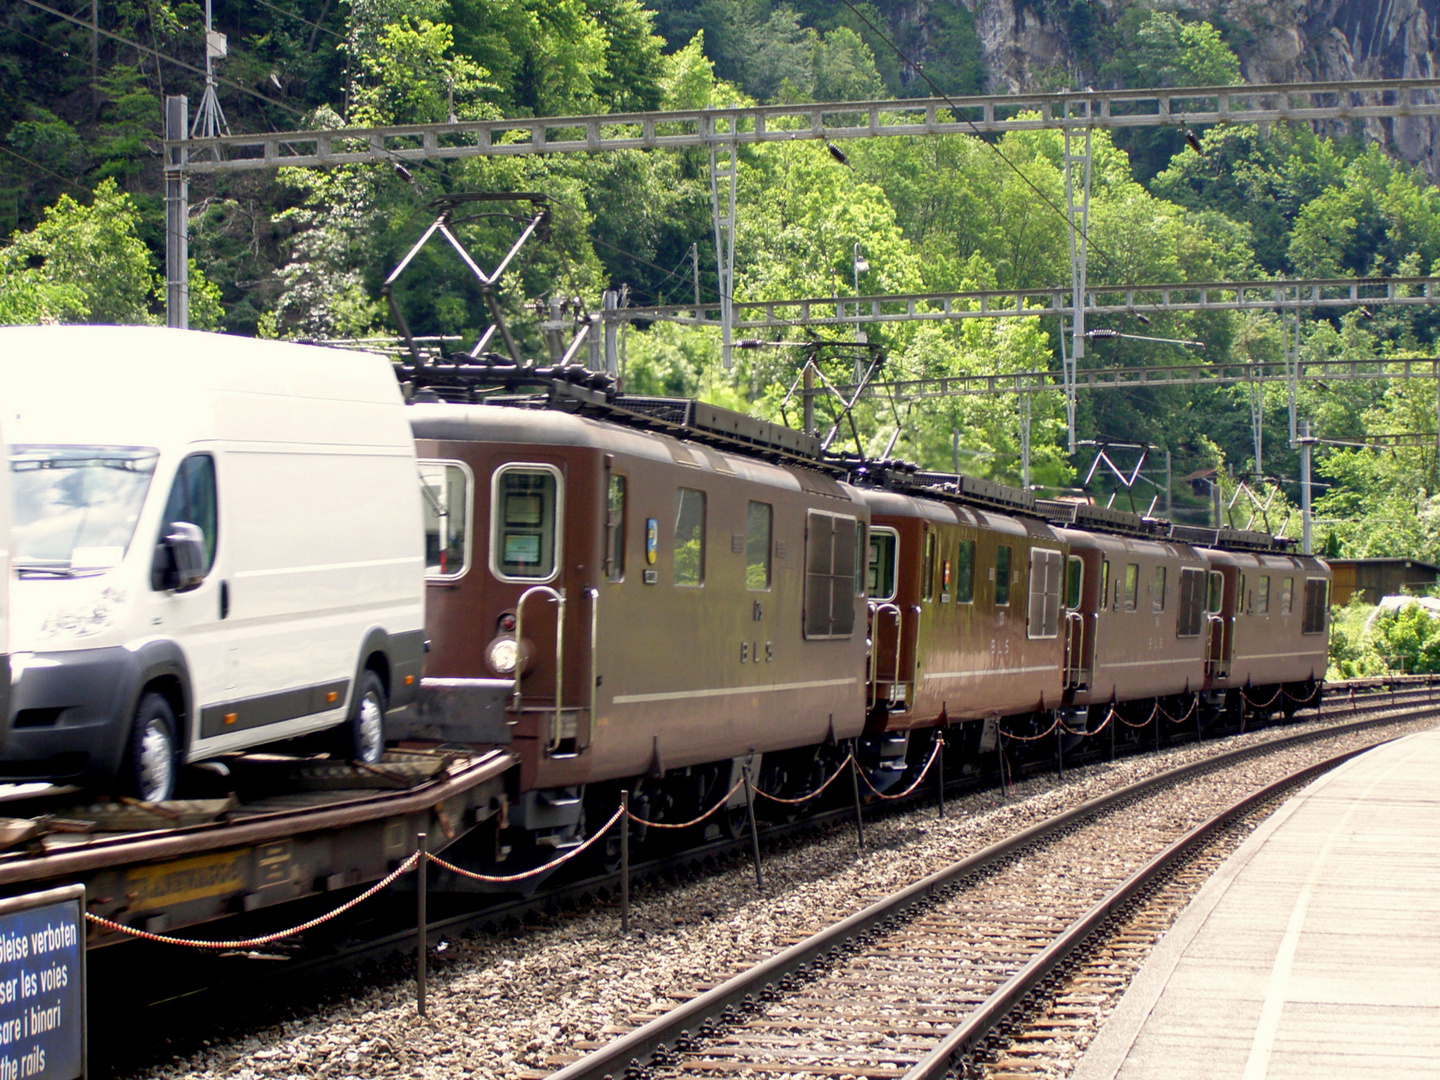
[1215, 657]
[558, 596]
[594, 678]
[877, 609]
[1073, 619]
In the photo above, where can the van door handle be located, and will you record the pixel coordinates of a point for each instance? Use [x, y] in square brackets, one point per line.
[224, 599]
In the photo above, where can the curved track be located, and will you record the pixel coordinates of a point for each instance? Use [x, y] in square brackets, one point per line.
[917, 980]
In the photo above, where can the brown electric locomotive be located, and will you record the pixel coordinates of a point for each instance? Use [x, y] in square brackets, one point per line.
[618, 605]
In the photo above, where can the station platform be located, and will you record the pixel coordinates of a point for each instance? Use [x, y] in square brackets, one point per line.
[1313, 952]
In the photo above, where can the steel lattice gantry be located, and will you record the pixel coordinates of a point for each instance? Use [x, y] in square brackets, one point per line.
[984, 115]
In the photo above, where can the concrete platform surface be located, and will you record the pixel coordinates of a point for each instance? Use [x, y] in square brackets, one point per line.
[1313, 952]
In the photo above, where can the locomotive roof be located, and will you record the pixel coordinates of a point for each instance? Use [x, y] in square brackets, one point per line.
[539, 427]
[569, 405]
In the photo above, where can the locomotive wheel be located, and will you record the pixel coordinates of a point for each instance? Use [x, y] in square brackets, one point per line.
[148, 772]
[362, 736]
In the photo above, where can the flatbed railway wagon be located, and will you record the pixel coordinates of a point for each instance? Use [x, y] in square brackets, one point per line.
[622, 608]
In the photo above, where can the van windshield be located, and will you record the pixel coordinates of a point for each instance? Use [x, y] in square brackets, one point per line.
[75, 507]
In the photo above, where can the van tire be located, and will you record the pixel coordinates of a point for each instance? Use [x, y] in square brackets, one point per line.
[362, 737]
[148, 772]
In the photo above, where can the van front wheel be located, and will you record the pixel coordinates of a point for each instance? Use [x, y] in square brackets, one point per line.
[362, 738]
[148, 772]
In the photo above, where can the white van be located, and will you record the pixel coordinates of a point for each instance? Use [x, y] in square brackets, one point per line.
[217, 543]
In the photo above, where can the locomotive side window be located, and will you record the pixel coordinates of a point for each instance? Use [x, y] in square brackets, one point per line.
[615, 529]
[829, 575]
[1192, 602]
[1002, 575]
[689, 537]
[1287, 592]
[884, 552]
[965, 573]
[445, 490]
[1074, 580]
[1217, 593]
[1157, 595]
[1132, 585]
[757, 546]
[1104, 584]
[525, 516]
[927, 576]
[1046, 570]
[1317, 596]
[1243, 600]
[1262, 596]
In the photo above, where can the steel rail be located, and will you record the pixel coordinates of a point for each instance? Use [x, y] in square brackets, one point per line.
[936, 1064]
[661, 1032]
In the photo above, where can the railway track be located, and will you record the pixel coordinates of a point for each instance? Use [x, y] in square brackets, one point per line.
[251, 994]
[927, 982]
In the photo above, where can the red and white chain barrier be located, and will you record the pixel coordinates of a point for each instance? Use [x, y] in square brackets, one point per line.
[501, 879]
[806, 798]
[693, 821]
[268, 939]
[934, 753]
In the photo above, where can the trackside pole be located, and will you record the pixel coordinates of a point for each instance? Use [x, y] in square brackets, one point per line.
[1059, 751]
[625, 863]
[855, 786]
[754, 831]
[940, 774]
[422, 850]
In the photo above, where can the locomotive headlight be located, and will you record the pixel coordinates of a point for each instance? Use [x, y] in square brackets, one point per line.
[502, 655]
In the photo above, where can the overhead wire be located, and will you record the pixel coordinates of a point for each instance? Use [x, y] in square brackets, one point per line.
[163, 56]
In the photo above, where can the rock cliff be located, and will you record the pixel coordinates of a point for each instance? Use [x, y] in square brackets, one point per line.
[1027, 45]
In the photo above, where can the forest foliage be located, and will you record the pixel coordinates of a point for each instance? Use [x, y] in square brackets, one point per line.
[302, 253]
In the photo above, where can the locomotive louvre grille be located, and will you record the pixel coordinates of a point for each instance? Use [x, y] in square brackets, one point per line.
[829, 575]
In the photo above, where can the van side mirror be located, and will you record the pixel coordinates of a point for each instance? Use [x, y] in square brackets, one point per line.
[179, 559]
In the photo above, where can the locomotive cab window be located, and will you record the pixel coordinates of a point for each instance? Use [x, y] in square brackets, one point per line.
[1002, 575]
[445, 489]
[1074, 582]
[525, 517]
[1157, 595]
[615, 529]
[965, 572]
[1192, 602]
[1216, 599]
[927, 574]
[689, 546]
[884, 558]
[862, 547]
[758, 520]
[1262, 596]
[829, 575]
